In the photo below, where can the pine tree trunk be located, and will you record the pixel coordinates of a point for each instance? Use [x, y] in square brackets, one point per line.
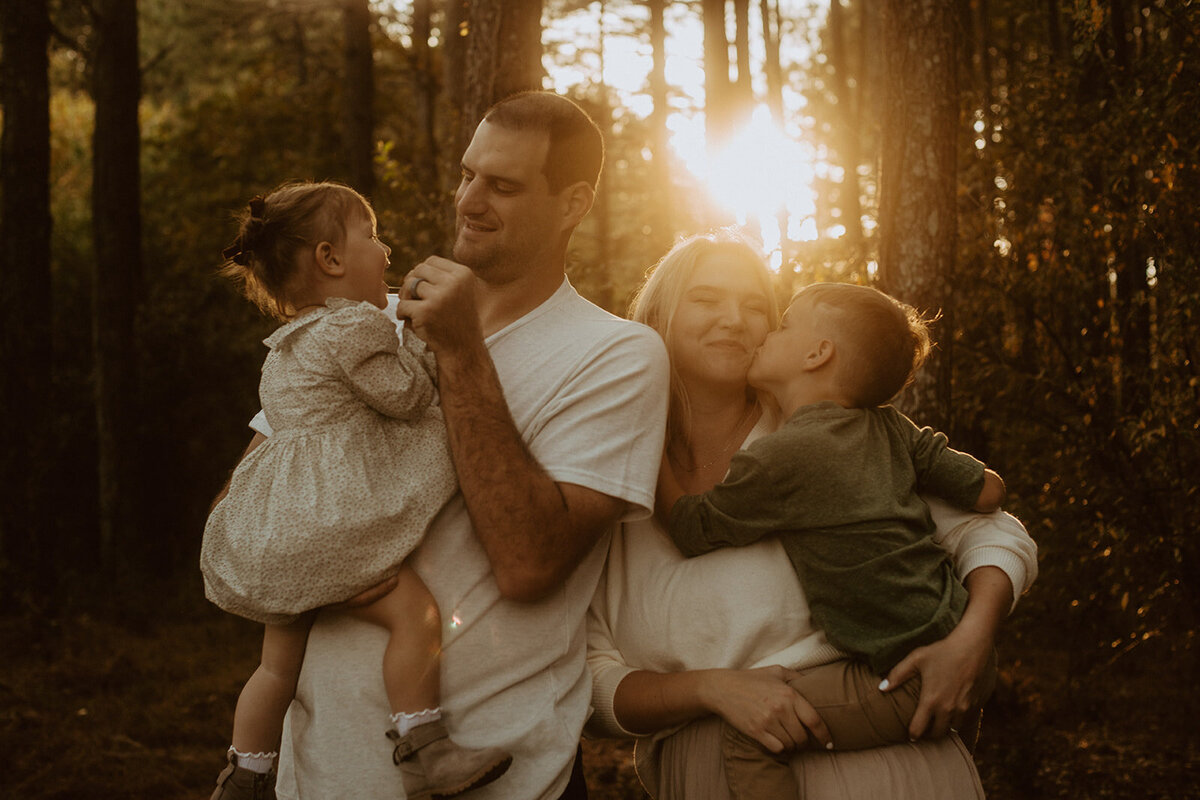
[849, 147]
[359, 96]
[743, 88]
[661, 229]
[918, 180]
[717, 113]
[26, 540]
[504, 55]
[425, 101]
[117, 282]
[772, 66]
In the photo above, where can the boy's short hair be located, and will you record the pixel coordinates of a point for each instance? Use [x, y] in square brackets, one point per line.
[887, 341]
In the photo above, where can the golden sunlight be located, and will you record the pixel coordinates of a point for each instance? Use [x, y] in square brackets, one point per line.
[762, 177]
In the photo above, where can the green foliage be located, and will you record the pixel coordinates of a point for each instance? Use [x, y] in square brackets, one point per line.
[1075, 365]
[1075, 333]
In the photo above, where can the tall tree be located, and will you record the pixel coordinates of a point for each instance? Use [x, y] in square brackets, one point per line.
[718, 122]
[602, 210]
[359, 96]
[743, 87]
[660, 173]
[117, 280]
[849, 125]
[917, 204]
[25, 335]
[772, 65]
[426, 153]
[504, 55]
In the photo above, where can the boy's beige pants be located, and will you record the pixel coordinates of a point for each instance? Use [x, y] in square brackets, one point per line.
[846, 696]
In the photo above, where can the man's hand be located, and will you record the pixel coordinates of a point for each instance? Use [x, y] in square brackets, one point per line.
[443, 311]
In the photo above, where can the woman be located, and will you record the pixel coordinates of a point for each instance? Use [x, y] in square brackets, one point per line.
[677, 644]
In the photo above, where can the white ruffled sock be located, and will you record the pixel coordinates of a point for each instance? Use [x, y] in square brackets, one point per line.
[406, 722]
[255, 762]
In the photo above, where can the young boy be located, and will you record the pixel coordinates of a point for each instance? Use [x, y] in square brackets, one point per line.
[838, 484]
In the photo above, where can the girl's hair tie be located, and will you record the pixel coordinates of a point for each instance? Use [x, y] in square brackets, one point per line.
[258, 206]
[240, 250]
[235, 253]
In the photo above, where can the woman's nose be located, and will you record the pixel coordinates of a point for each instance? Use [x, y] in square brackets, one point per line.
[731, 315]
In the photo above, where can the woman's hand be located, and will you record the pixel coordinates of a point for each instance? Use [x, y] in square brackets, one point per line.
[760, 704]
[950, 686]
[950, 670]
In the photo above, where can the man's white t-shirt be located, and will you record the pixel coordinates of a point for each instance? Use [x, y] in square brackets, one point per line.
[588, 393]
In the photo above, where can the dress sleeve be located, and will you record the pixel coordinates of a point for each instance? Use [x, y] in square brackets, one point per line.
[387, 377]
[976, 540]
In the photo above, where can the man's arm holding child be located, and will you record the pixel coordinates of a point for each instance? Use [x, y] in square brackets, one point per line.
[535, 530]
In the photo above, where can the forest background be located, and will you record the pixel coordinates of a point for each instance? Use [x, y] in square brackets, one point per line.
[1027, 167]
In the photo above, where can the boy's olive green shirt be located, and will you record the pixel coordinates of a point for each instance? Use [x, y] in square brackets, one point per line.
[839, 486]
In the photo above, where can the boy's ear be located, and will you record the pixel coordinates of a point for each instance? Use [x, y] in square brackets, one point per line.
[820, 355]
[328, 260]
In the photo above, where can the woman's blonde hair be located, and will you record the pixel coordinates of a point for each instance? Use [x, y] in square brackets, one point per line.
[666, 282]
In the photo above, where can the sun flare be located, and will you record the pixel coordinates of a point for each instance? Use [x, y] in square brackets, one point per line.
[761, 177]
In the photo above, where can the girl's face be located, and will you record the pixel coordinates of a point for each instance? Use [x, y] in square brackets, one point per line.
[366, 259]
[720, 321]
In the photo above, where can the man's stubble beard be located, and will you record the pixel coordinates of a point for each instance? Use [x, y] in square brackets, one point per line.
[480, 262]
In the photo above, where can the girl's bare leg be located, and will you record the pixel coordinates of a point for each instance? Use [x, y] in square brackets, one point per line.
[429, 762]
[412, 659]
[258, 720]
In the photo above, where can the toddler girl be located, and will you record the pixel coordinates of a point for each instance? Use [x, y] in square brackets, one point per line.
[355, 469]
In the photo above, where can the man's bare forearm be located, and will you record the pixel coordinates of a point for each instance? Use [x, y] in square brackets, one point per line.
[534, 530]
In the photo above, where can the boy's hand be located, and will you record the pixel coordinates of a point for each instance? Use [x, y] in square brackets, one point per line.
[993, 493]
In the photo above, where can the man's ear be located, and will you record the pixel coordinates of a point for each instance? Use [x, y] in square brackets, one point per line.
[579, 199]
[820, 355]
[328, 260]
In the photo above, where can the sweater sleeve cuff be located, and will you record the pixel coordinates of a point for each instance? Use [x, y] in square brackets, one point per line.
[603, 722]
[1013, 566]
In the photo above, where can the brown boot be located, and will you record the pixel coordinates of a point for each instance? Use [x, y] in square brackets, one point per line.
[239, 783]
[434, 767]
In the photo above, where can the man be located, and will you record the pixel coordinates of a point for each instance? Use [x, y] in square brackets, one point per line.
[556, 413]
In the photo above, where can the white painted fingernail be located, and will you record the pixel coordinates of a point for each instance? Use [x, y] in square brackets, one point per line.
[883, 685]
[829, 746]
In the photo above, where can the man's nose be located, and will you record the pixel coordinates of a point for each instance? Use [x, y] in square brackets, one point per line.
[471, 198]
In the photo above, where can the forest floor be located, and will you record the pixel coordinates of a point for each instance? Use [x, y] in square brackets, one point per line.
[90, 709]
